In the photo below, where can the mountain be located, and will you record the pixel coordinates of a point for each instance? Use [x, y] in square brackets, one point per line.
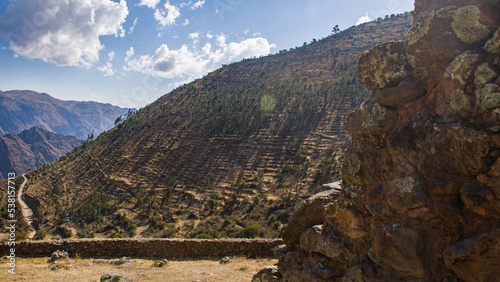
[32, 148]
[230, 154]
[23, 109]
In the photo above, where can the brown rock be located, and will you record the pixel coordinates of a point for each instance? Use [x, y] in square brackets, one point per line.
[397, 96]
[371, 118]
[268, 274]
[407, 193]
[316, 240]
[422, 173]
[116, 277]
[384, 66]
[492, 178]
[397, 247]
[309, 214]
[475, 258]
[347, 221]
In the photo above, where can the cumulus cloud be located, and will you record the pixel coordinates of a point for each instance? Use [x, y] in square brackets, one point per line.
[63, 32]
[149, 3]
[198, 4]
[107, 68]
[192, 63]
[194, 37]
[167, 15]
[363, 19]
[129, 54]
[111, 55]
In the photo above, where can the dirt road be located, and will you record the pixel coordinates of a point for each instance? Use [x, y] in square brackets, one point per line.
[27, 212]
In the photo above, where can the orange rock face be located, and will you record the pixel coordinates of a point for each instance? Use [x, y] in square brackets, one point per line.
[421, 190]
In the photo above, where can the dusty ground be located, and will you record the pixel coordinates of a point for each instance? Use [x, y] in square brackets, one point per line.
[36, 269]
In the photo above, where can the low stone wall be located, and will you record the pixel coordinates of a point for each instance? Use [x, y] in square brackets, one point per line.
[147, 248]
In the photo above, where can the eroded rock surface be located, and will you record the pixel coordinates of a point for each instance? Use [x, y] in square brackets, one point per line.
[421, 189]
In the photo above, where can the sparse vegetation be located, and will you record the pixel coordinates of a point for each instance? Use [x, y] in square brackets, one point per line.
[235, 150]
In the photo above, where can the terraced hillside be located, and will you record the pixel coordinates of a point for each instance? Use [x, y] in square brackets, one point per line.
[230, 154]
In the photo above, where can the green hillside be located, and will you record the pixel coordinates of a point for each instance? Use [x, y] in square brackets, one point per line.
[229, 155]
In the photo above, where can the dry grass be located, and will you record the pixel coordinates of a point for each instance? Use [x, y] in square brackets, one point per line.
[36, 269]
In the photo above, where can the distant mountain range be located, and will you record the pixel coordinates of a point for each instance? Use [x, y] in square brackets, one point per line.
[23, 109]
[32, 148]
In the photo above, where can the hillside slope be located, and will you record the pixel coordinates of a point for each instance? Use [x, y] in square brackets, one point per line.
[227, 155]
[32, 148]
[23, 109]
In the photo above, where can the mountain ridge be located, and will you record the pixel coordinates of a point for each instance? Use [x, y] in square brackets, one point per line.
[24, 109]
[228, 155]
[32, 148]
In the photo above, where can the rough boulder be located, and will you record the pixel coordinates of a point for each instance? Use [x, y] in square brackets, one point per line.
[421, 179]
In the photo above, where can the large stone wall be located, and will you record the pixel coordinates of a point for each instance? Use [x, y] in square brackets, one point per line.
[147, 248]
[421, 179]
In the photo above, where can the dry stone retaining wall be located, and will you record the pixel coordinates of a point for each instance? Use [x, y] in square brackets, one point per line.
[147, 248]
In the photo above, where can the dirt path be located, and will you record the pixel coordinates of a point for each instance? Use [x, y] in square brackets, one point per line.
[27, 212]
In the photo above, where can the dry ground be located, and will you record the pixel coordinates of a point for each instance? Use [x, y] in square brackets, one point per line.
[36, 269]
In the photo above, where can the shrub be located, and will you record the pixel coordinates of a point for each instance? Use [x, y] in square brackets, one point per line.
[132, 227]
[284, 216]
[192, 215]
[276, 225]
[271, 219]
[250, 231]
[64, 232]
[21, 235]
[40, 234]
[116, 235]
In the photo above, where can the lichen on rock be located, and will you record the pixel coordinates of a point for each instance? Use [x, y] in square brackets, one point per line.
[420, 28]
[384, 66]
[467, 26]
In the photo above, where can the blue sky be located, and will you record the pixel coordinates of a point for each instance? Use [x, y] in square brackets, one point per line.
[131, 52]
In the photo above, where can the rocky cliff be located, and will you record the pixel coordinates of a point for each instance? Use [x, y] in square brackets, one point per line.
[421, 179]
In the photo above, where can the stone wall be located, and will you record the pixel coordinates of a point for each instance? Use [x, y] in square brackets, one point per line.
[421, 179]
[147, 248]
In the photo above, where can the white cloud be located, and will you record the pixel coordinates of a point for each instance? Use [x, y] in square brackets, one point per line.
[129, 54]
[209, 35]
[363, 19]
[189, 62]
[194, 36]
[41, 29]
[221, 39]
[111, 55]
[198, 4]
[149, 3]
[107, 69]
[167, 16]
[131, 29]
[186, 22]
